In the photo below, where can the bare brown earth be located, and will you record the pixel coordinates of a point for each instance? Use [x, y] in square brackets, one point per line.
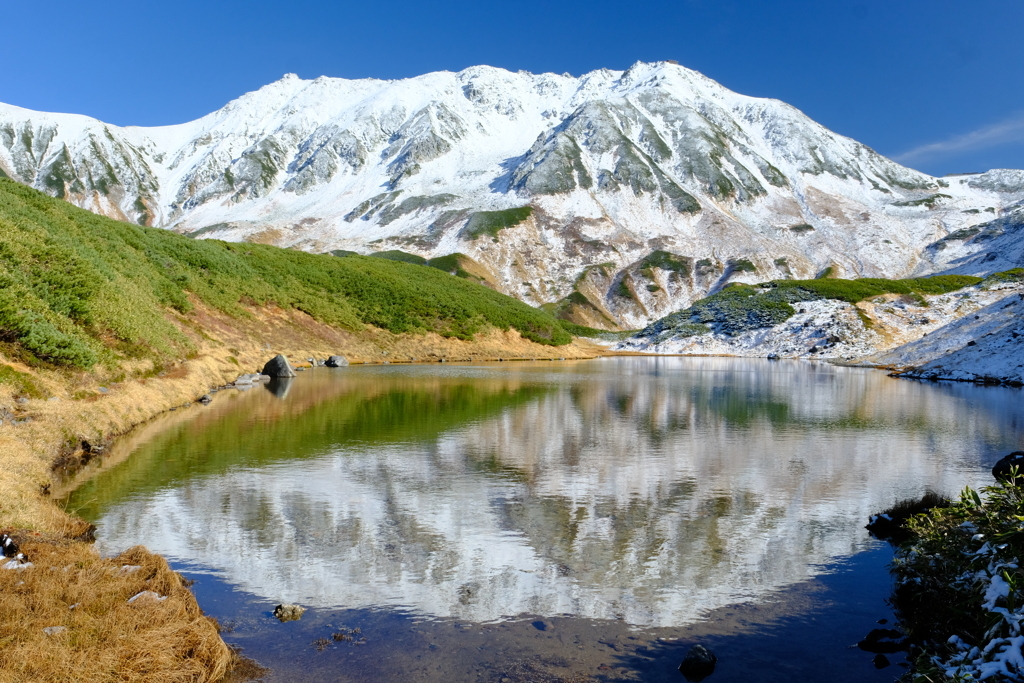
[72, 415]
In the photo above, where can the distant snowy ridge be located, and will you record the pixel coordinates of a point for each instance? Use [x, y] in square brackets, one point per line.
[615, 198]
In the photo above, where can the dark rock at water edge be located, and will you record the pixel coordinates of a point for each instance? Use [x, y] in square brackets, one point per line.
[880, 661]
[1004, 468]
[336, 362]
[698, 664]
[278, 366]
[883, 641]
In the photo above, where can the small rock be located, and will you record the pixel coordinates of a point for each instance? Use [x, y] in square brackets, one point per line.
[53, 398]
[289, 612]
[773, 356]
[146, 596]
[1004, 468]
[205, 399]
[21, 400]
[278, 366]
[336, 362]
[698, 664]
[880, 661]
[972, 343]
[54, 630]
[103, 390]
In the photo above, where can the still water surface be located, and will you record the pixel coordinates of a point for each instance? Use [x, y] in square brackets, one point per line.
[535, 521]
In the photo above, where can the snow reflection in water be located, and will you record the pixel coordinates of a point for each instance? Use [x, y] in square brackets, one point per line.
[637, 488]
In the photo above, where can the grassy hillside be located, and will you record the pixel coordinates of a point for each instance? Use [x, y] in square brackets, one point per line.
[77, 288]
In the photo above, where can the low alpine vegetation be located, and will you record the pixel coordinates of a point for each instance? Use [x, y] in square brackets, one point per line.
[741, 307]
[77, 289]
[959, 591]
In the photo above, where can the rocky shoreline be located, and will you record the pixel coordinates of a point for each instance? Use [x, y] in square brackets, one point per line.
[971, 335]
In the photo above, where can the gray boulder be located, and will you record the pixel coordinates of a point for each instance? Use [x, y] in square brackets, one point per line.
[336, 362]
[278, 366]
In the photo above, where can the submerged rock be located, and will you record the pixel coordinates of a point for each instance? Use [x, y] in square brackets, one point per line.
[278, 366]
[289, 612]
[698, 664]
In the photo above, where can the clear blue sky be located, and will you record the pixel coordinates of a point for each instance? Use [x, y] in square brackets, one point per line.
[937, 85]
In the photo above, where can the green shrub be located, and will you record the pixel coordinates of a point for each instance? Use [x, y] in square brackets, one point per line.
[1012, 275]
[451, 264]
[740, 307]
[492, 222]
[959, 586]
[622, 290]
[742, 265]
[76, 288]
[398, 255]
[20, 382]
[665, 261]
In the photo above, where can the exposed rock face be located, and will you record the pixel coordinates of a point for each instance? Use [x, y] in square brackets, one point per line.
[278, 366]
[568, 190]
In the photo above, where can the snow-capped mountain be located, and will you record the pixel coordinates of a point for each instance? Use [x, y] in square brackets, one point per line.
[615, 197]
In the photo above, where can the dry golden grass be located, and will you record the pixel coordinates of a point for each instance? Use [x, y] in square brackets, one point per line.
[106, 638]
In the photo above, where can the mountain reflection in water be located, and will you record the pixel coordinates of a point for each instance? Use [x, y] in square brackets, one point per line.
[645, 489]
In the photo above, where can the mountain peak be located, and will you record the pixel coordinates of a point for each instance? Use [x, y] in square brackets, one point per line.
[567, 191]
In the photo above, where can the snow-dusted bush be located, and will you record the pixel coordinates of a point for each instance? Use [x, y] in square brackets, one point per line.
[960, 589]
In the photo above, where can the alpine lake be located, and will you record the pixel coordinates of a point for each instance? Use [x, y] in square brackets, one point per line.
[547, 521]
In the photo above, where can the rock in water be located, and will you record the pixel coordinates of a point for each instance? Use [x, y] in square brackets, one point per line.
[698, 664]
[336, 362]
[278, 367]
[289, 612]
[883, 641]
[1004, 468]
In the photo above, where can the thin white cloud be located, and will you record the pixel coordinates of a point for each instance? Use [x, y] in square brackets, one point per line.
[1007, 131]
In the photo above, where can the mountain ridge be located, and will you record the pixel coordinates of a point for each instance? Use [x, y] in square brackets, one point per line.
[611, 168]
